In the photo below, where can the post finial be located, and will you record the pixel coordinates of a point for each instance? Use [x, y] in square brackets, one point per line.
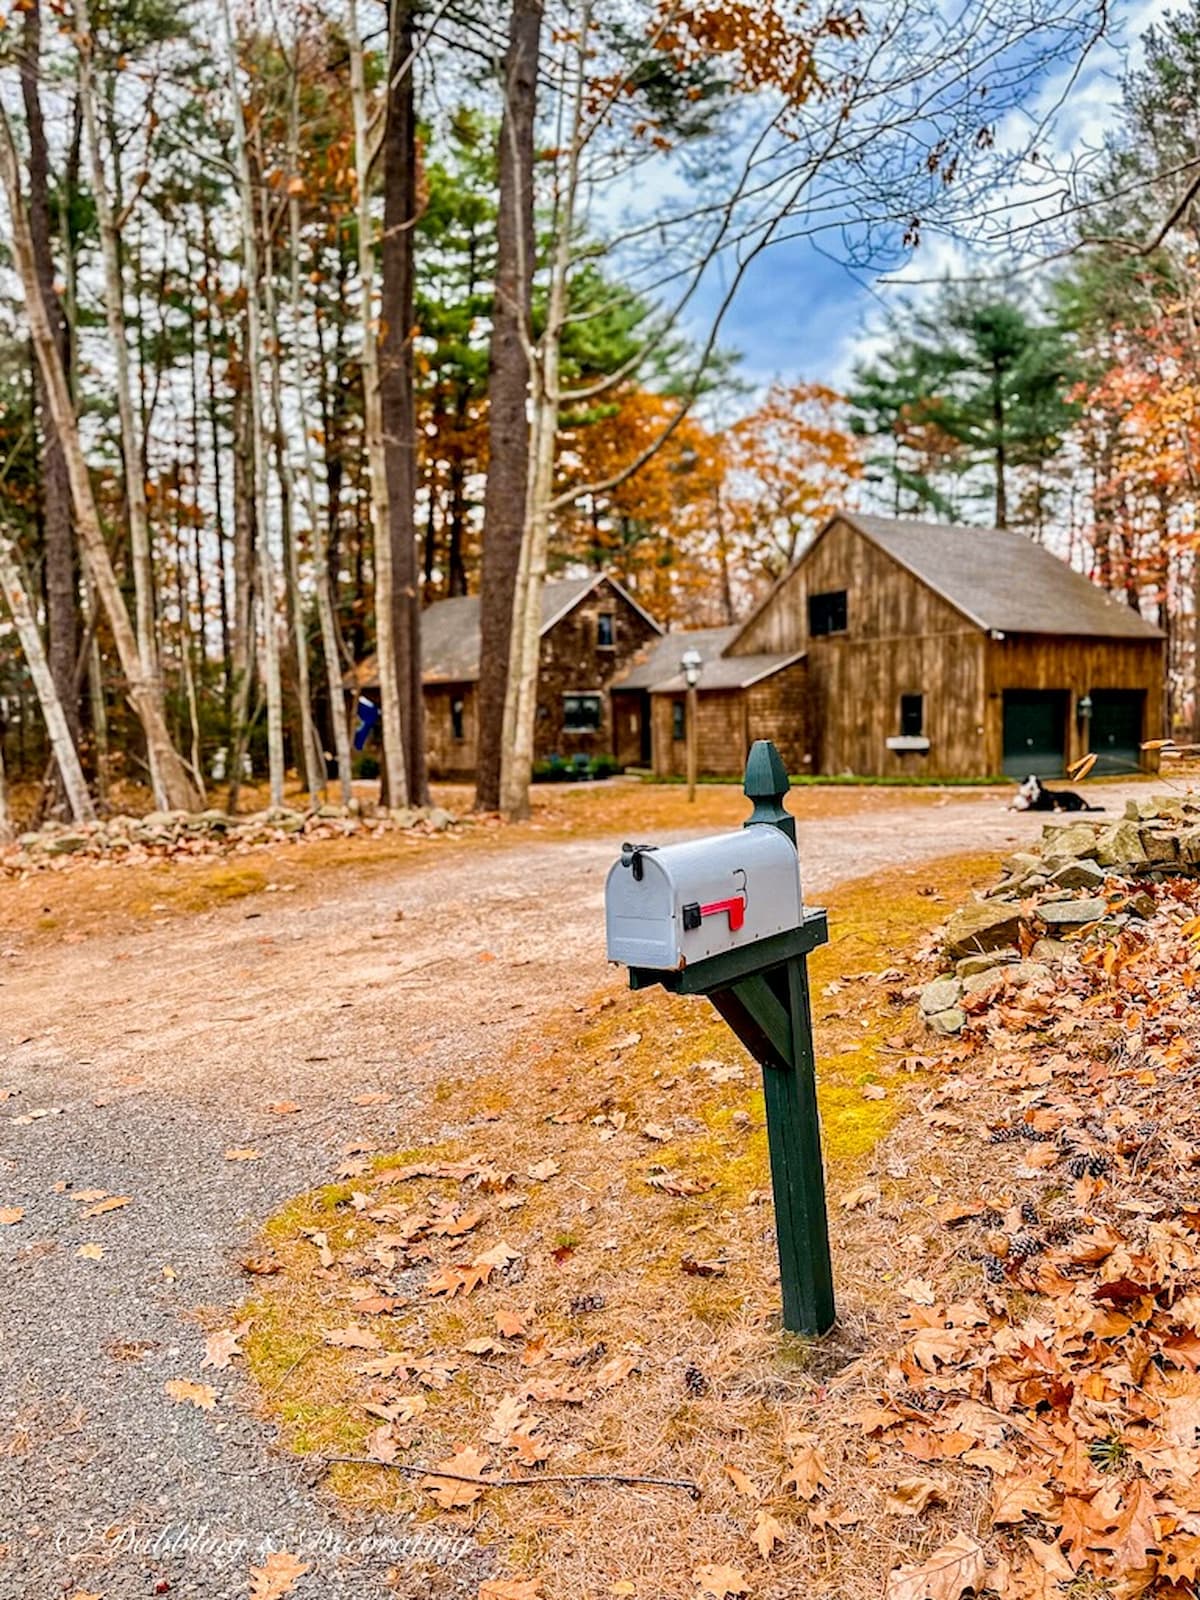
[766, 784]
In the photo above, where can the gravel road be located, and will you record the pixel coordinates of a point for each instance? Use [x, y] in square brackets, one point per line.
[130, 1065]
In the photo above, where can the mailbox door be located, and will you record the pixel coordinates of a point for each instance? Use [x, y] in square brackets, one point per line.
[639, 915]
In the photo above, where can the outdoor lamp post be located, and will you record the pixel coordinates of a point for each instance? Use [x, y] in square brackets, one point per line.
[691, 663]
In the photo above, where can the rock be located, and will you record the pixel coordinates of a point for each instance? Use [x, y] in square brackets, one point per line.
[1072, 913]
[1140, 905]
[212, 821]
[163, 819]
[1189, 845]
[1017, 972]
[984, 925]
[971, 966]
[1120, 845]
[940, 995]
[950, 1021]
[1035, 880]
[1020, 863]
[439, 819]
[1159, 845]
[1049, 950]
[1079, 875]
[64, 844]
[332, 811]
[1070, 843]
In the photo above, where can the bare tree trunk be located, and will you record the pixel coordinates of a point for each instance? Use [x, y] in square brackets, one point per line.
[132, 443]
[61, 742]
[254, 367]
[144, 692]
[396, 401]
[62, 631]
[520, 705]
[98, 711]
[314, 770]
[326, 615]
[6, 827]
[395, 781]
[243, 587]
[508, 386]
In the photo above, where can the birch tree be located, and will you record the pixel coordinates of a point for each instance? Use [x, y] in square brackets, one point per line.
[65, 754]
[395, 775]
[173, 783]
[267, 587]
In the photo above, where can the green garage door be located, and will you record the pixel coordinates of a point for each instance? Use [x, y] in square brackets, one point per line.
[1115, 735]
[1035, 732]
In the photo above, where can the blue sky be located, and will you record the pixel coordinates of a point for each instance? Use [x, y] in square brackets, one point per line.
[801, 315]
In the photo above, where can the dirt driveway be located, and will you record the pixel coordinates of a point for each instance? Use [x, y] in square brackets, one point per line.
[130, 1065]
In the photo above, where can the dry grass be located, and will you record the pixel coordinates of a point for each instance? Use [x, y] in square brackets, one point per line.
[714, 1385]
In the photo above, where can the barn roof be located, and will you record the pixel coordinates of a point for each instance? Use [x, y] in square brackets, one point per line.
[450, 639]
[1003, 581]
[659, 671]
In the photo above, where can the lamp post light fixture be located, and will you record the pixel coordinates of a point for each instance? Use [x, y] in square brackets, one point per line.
[691, 662]
[1084, 708]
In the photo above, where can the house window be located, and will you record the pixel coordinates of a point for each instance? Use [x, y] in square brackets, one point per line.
[678, 720]
[457, 708]
[912, 715]
[606, 631]
[827, 613]
[582, 713]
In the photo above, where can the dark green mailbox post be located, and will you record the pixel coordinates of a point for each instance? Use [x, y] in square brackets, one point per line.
[723, 917]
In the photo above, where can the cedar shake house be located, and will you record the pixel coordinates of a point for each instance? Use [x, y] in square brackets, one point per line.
[911, 649]
[591, 629]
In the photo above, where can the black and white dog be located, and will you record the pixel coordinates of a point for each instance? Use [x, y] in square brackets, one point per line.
[1032, 796]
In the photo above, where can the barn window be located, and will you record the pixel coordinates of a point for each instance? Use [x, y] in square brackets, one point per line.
[582, 713]
[912, 715]
[678, 720]
[606, 631]
[457, 709]
[827, 613]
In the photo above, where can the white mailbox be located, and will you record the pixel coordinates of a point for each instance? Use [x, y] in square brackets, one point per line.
[666, 907]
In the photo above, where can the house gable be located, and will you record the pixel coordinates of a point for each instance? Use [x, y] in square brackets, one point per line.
[884, 599]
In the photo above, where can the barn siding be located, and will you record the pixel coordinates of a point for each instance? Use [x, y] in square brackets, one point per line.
[1031, 661]
[729, 720]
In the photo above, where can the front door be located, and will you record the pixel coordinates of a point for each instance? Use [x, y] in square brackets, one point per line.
[1115, 735]
[1035, 732]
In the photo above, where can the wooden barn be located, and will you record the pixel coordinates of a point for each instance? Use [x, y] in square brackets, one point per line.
[591, 629]
[949, 652]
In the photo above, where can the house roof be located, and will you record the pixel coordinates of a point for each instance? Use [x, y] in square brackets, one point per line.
[659, 672]
[1002, 581]
[450, 639]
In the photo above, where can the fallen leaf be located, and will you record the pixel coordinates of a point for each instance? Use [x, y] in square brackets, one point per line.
[855, 1199]
[113, 1203]
[614, 1370]
[381, 1443]
[720, 1581]
[768, 1532]
[908, 1497]
[183, 1390]
[450, 1493]
[351, 1338]
[742, 1482]
[90, 1252]
[220, 1348]
[948, 1573]
[545, 1170]
[243, 1155]
[1017, 1497]
[1136, 1534]
[808, 1472]
[277, 1576]
[509, 1414]
[283, 1108]
[511, 1589]
[10, 1214]
[510, 1324]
